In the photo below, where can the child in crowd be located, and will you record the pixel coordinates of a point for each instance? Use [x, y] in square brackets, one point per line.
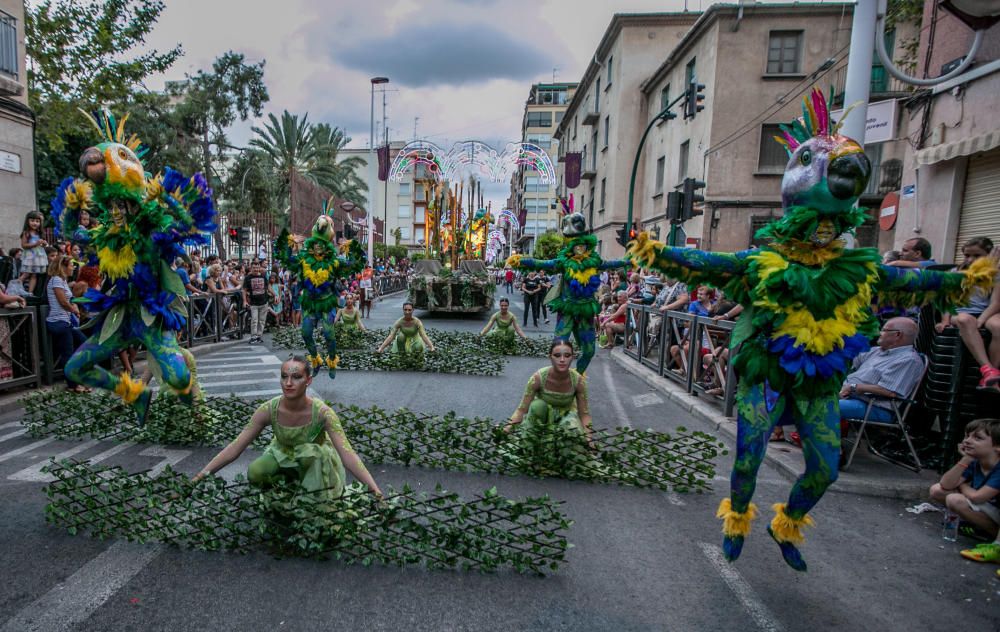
[34, 261]
[971, 488]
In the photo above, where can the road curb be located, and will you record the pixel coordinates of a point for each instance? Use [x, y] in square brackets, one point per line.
[784, 457]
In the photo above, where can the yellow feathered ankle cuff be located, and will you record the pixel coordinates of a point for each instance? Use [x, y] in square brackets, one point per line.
[788, 529]
[128, 389]
[315, 360]
[735, 523]
[333, 363]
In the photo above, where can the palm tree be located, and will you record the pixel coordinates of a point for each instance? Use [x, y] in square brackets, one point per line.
[294, 145]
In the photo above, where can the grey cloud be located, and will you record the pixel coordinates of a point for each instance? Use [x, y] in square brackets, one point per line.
[448, 54]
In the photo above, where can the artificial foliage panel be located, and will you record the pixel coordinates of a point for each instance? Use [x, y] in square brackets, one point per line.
[683, 461]
[436, 530]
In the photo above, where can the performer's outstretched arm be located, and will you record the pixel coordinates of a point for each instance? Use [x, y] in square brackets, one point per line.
[282, 252]
[614, 264]
[907, 287]
[534, 385]
[231, 452]
[489, 325]
[347, 454]
[687, 264]
[527, 263]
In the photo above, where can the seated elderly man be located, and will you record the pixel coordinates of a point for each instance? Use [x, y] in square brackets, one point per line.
[888, 370]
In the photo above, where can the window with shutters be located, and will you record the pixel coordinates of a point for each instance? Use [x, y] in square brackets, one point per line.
[784, 53]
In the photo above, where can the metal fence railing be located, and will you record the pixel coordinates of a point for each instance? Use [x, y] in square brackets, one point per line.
[19, 355]
[661, 341]
[388, 284]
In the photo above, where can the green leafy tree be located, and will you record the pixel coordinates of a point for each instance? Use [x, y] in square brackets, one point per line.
[547, 245]
[340, 176]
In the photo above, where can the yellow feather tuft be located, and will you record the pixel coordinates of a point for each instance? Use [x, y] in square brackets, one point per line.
[317, 277]
[116, 264]
[514, 261]
[315, 360]
[129, 389]
[333, 363]
[788, 529]
[154, 188]
[735, 523]
[80, 195]
[980, 274]
[644, 248]
[805, 253]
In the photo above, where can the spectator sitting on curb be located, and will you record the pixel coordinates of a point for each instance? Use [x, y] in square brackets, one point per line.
[971, 488]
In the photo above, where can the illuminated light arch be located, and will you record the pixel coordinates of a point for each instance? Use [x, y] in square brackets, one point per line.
[510, 216]
[472, 156]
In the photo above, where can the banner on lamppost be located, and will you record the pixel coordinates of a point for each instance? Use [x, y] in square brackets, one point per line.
[383, 163]
[573, 162]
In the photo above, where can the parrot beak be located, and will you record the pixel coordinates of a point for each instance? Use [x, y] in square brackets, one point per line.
[847, 176]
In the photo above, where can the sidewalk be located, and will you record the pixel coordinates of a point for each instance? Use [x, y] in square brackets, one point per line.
[11, 400]
[869, 476]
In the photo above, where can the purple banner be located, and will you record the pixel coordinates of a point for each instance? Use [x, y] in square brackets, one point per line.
[572, 169]
[383, 163]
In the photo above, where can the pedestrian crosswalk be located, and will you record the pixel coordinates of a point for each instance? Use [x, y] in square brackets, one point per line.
[249, 371]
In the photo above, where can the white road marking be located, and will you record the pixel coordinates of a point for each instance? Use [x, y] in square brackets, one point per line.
[210, 385]
[34, 472]
[12, 435]
[73, 601]
[759, 613]
[262, 393]
[28, 448]
[616, 402]
[674, 499]
[9, 424]
[170, 457]
[243, 365]
[646, 399]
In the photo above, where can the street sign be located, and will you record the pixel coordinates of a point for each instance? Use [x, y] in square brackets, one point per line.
[889, 211]
[10, 162]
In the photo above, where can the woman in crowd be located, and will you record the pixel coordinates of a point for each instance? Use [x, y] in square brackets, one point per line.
[503, 323]
[615, 323]
[556, 395]
[308, 447]
[63, 321]
[349, 317]
[981, 312]
[407, 334]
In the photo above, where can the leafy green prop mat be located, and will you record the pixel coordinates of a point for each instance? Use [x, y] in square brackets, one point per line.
[642, 458]
[455, 351]
[435, 530]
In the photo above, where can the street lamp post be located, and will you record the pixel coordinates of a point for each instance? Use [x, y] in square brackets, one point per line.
[372, 172]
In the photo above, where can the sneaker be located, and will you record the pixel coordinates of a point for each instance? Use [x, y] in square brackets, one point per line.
[985, 552]
[991, 376]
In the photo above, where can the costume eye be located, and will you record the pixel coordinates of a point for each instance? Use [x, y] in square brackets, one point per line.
[806, 157]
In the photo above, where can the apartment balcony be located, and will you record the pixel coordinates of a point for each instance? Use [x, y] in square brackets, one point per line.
[591, 118]
[887, 176]
[588, 173]
[883, 86]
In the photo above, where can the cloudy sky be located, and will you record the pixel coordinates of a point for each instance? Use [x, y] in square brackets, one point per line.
[459, 69]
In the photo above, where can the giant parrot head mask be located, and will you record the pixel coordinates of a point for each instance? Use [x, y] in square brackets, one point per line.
[826, 172]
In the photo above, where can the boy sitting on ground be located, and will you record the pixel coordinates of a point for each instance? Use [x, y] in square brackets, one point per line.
[971, 488]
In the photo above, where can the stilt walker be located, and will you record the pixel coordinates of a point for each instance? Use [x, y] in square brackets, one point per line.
[580, 268]
[807, 314]
[319, 264]
[143, 224]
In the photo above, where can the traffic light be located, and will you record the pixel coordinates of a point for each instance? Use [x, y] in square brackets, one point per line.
[674, 206]
[234, 234]
[695, 96]
[634, 232]
[622, 236]
[690, 198]
[244, 234]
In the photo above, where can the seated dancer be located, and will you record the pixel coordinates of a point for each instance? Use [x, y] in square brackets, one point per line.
[408, 334]
[554, 396]
[503, 324]
[349, 317]
[309, 446]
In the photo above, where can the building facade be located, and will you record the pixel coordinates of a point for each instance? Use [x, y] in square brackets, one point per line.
[604, 120]
[17, 156]
[951, 176]
[543, 111]
[400, 205]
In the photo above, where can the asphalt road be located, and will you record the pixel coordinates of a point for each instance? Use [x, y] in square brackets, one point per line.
[642, 560]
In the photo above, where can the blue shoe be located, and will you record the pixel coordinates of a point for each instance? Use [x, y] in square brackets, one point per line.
[791, 554]
[141, 406]
[732, 546]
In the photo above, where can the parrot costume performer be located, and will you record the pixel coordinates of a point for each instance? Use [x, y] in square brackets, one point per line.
[318, 265]
[808, 314]
[580, 268]
[144, 222]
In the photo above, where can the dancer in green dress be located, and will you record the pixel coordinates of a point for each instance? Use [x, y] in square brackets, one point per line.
[407, 334]
[503, 324]
[552, 426]
[309, 446]
[348, 317]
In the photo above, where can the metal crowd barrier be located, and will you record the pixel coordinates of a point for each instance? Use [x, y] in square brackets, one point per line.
[389, 284]
[19, 353]
[656, 340]
[214, 317]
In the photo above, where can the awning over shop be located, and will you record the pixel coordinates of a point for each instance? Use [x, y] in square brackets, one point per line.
[964, 147]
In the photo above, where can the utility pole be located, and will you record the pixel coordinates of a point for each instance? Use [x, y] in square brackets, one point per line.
[859, 70]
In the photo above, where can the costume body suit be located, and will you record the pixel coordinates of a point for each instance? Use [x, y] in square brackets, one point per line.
[580, 267]
[807, 315]
[319, 264]
[502, 329]
[143, 223]
[407, 336]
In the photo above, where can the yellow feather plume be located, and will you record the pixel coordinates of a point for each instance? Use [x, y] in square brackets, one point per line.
[80, 196]
[317, 277]
[129, 389]
[333, 363]
[644, 249]
[735, 523]
[788, 529]
[116, 264]
[980, 274]
[514, 261]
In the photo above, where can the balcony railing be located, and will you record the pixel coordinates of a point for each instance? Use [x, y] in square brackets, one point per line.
[887, 176]
[882, 85]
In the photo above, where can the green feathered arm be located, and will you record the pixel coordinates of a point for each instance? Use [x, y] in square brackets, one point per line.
[692, 266]
[614, 264]
[910, 287]
[527, 263]
[282, 251]
[355, 260]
